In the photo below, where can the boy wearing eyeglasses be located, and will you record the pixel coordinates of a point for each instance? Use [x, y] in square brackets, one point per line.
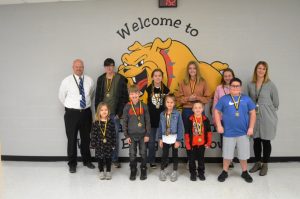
[238, 113]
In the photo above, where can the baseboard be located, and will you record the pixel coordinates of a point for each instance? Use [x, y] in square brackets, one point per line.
[126, 159]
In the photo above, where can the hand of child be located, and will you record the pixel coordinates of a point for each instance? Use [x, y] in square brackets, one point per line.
[176, 145]
[128, 140]
[146, 139]
[220, 129]
[250, 132]
[160, 143]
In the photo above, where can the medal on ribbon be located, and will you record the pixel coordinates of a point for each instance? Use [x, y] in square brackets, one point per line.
[168, 124]
[236, 105]
[103, 131]
[199, 127]
[137, 115]
[108, 86]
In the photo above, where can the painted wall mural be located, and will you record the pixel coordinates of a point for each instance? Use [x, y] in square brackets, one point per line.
[171, 57]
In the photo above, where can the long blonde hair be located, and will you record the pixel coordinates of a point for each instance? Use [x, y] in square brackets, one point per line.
[97, 114]
[266, 77]
[187, 77]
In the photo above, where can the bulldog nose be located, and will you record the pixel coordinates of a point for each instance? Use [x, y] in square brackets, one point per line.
[125, 70]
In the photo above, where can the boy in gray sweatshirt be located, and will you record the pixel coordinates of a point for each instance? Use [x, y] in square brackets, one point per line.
[136, 130]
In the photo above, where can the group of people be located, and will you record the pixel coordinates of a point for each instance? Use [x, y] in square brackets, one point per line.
[237, 116]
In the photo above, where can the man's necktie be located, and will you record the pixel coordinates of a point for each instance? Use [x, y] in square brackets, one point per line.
[81, 89]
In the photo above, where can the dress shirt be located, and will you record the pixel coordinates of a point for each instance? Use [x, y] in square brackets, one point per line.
[69, 92]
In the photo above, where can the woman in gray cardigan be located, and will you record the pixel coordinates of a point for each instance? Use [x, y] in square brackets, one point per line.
[264, 93]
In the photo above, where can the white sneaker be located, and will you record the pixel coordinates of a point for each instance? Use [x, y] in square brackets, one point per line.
[102, 175]
[108, 176]
[162, 175]
[173, 176]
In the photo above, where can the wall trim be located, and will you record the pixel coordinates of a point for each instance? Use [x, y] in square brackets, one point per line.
[126, 159]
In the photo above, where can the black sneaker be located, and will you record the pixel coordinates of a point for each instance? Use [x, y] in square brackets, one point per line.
[133, 174]
[247, 177]
[72, 169]
[153, 166]
[143, 174]
[231, 165]
[222, 177]
[117, 164]
[201, 176]
[193, 177]
[89, 165]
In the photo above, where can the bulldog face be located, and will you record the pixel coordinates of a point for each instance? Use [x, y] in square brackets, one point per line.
[171, 57]
[138, 65]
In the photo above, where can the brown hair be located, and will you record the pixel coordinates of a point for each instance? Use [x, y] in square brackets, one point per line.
[187, 77]
[198, 102]
[133, 88]
[171, 96]
[266, 77]
[97, 114]
[227, 70]
[157, 70]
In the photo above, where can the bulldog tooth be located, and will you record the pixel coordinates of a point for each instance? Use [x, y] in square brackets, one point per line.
[133, 79]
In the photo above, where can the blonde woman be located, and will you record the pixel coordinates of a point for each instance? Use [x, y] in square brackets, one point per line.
[192, 88]
[265, 95]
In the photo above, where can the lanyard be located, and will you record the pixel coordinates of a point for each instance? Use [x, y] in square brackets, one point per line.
[103, 131]
[198, 125]
[258, 94]
[193, 87]
[224, 90]
[108, 86]
[236, 104]
[161, 88]
[168, 120]
[140, 111]
[77, 83]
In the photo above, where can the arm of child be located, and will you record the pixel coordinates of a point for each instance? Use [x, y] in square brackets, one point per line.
[220, 128]
[148, 124]
[93, 136]
[125, 121]
[208, 133]
[251, 122]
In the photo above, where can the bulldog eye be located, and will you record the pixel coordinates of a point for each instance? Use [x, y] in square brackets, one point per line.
[125, 64]
[140, 63]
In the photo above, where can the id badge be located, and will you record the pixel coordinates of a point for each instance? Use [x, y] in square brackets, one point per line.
[257, 108]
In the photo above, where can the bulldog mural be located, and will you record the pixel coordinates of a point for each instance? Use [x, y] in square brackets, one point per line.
[171, 57]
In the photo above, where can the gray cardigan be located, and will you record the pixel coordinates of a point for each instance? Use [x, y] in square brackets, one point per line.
[268, 101]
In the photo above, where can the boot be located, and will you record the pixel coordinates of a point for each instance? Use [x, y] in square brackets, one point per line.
[256, 167]
[143, 173]
[264, 169]
[133, 173]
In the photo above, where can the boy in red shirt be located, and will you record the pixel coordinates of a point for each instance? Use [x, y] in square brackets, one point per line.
[198, 137]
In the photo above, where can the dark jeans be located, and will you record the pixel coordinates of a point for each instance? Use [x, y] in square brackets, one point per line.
[152, 146]
[135, 144]
[196, 154]
[76, 120]
[165, 156]
[186, 113]
[262, 145]
[107, 162]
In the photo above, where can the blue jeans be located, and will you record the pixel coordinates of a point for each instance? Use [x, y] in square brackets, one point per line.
[115, 153]
[186, 113]
[151, 146]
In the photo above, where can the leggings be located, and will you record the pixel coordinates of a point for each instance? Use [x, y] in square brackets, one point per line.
[262, 145]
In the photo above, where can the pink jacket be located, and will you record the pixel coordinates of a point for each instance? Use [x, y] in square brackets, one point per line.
[220, 92]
